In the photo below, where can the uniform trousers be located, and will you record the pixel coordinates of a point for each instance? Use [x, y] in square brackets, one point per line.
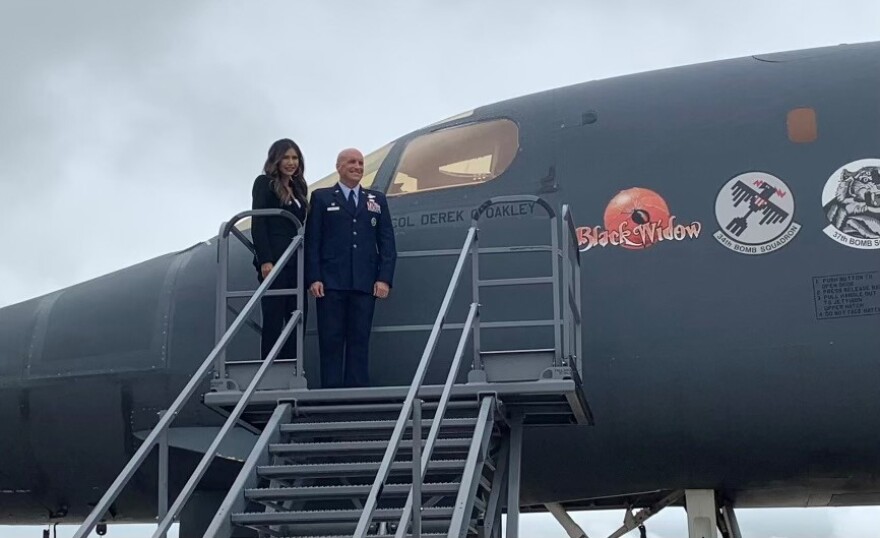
[277, 312]
[345, 319]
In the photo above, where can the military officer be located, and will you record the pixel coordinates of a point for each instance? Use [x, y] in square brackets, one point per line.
[350, 259]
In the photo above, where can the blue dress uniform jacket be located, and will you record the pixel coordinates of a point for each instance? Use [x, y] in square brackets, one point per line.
[349, 251]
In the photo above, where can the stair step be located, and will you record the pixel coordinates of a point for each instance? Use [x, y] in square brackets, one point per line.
[368, 425]
[345, 492]
[318, 409]
[431, 528]
[361, 447]
[350, 469]
[424, 535]
[331, 516]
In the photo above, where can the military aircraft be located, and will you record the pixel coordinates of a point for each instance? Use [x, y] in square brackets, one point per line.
[728, 218]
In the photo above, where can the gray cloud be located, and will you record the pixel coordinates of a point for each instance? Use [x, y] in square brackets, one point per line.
[129, 131]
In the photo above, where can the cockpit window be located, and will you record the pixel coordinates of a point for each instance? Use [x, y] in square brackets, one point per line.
[455, 157]
[372, 162]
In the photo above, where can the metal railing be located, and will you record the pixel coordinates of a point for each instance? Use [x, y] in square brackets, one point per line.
[220, 381]
[470, 330]
[572, 344]
[553, 279]
[413, 501]
[406, 411]
[157, 436]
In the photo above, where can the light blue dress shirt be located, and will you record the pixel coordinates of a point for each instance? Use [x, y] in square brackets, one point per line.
[346, 190]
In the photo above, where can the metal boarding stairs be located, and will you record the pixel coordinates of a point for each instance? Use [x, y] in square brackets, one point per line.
[423, 460]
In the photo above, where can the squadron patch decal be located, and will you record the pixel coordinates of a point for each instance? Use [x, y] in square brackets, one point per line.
[851, 202]
[755, 212]
[636, 219]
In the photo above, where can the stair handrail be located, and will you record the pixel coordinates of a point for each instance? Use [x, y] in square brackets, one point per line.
[571, 234]
[510, 198]
[555, 253]
[471, 322]
[231, 227]
[371, 502]
[208, 457]
[439, 414]
[571, 282]
[161, 427]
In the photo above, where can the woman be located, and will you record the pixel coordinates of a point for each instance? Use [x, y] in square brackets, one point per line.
[281, 186]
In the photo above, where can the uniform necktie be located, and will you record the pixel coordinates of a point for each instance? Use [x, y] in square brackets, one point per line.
[351, 203]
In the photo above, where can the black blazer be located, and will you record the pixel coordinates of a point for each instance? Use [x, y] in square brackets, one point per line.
[272, 235]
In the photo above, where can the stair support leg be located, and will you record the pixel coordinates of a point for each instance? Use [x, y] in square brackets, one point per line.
[470, 481]
[499, 483]
[163, 475]
[221, 526]
[513, 479]
[417, 469]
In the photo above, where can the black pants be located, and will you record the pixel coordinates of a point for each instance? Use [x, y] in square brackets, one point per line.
[345, 319]
[277, 311]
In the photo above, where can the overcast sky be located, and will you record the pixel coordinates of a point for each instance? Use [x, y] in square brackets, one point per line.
[128, 132]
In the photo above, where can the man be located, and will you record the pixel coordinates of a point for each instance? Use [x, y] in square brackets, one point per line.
[350, 258]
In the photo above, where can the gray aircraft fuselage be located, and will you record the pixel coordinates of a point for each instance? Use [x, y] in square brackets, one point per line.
[716, 357]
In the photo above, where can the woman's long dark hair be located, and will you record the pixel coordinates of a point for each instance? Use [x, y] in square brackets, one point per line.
[298, 187]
